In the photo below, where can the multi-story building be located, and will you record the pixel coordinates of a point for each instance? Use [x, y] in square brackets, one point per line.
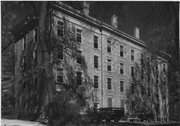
[110, 54]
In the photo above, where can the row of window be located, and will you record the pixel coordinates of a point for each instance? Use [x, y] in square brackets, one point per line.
[79, 39]
[109, 84]
[60, 76]
[96, 80]
[110, 102]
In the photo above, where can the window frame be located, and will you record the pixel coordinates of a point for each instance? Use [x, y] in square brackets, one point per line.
[79, 35]
[132, 55]
[60, 27]
[78, 58]
[96, 41]
[121, 50]
[122, 68]
[60, 50]
[96, 64]
[96, 80]
[109, 63]
[121, 86]
[109, 83]
[109, 50]
[79, 78]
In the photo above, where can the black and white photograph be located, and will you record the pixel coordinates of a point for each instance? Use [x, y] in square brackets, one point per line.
[90, 63]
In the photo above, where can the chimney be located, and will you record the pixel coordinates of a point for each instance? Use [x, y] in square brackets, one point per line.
[114, 22]
[136, 32]
[86, 8]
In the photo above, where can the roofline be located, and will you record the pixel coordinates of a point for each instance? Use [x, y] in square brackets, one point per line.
[95, 22]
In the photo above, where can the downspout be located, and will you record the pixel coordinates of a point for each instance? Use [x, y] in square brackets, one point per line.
[102, 86]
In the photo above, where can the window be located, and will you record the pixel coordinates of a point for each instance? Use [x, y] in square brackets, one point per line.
[95, 81]
[142, 73]
[121, 68]
[79, 79]
[109, 64]
[60, 28]
[109, 46]
[60, 75]
[79, 56]
[132, 71]
[109, 102]
[60, 51]
[109, 83]
[96, 42]
[95, 105]
[164, 68]
[78, 35]
[142, 59]
[121, 51]
[121, 86]
[132, 55]
[132, 88]
[122, 103]
[95, 61]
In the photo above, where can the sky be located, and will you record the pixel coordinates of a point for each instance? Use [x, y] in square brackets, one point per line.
[130, 14]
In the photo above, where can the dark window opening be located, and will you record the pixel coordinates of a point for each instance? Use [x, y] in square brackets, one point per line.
[132, 71]
[109, 83]
[96, 42]
[109, 46]
[109, 65]
[121, 51]
[95, 81]
[79, 35]
[121, 68]
[60, 51]
[121, 86]
[79, 79]
[79, 56]
[132, 55]
[60, 29]
[95, 61]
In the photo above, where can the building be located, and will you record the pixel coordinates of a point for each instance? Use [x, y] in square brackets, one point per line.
[110, 54]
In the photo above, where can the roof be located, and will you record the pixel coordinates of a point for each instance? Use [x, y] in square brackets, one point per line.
[59, 6]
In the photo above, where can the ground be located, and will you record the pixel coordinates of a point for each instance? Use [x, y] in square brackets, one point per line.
[10, 122]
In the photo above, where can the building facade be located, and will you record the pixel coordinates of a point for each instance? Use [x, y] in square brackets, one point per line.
[110, 54]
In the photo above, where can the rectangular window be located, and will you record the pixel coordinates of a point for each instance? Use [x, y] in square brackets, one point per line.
[60, 51]
[121, 86]
[60, 75]
[142, 59]
[132, 71]
[164, 68]
[122, 103]
[79, 56]
[109, 46]
[109, 102]
[132, 88]
[95, 61]
[95, 81]
[121, 51]
[79, 78]
[109, 64]
[96, 42]
[60, 28]
[78, 35]
[121, 68]
[132, 55]
[109, 87]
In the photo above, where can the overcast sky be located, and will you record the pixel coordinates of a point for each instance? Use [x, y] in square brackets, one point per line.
[130, 14]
